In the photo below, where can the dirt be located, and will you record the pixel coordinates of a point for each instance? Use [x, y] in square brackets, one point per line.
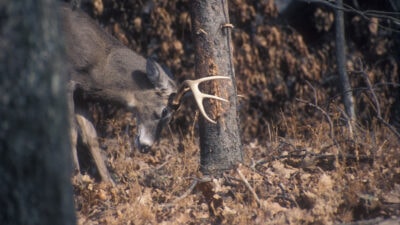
[303, 165]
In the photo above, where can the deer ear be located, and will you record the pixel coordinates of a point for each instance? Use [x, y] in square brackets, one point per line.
[153, 72]
[157, 75]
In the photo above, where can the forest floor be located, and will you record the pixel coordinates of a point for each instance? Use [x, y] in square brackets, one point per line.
[303, 165]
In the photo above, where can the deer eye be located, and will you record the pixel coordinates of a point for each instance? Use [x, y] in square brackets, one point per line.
[164, 113]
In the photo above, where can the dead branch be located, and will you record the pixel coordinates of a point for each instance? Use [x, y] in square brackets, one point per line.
[244, 180]
[328, 118]
[366, 14]
[187, 192]
[375, 100]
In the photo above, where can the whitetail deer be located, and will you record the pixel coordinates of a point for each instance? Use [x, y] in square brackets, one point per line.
[102, 67]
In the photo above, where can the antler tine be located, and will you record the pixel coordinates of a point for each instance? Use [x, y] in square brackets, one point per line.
[199, 96]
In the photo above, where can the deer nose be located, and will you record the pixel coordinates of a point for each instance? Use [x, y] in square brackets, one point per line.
[143, 147]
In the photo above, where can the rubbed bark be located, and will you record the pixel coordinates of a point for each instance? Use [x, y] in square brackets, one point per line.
[347, 94]
[35, 164]
[220, 143]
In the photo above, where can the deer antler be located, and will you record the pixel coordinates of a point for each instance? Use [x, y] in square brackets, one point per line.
[193, 85]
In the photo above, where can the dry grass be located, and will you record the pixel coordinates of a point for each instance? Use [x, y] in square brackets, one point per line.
[289, 181]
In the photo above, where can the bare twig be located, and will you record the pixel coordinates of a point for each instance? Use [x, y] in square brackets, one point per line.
[367, 14]
[314, 92]
[375, 99]
[187, 192]
[167, 160]
[328, 118]
[244, 180]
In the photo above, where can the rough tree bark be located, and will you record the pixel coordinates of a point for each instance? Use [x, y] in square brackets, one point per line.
[35, 168]
[220, 143]
[347, 93]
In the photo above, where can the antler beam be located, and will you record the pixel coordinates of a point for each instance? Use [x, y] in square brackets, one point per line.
[193, 85]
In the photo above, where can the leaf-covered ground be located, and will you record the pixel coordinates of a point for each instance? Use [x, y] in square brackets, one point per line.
[302, 163]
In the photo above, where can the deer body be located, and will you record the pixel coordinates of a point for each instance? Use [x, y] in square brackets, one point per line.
[103, 68]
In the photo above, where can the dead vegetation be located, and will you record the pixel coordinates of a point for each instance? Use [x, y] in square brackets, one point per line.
[301, 164]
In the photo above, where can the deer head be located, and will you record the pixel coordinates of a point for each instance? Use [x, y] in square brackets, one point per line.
[150, 124]
[152, 111]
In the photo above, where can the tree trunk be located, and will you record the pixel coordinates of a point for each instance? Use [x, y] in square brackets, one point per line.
[220, 143]
[347, 93]
[35, 165]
